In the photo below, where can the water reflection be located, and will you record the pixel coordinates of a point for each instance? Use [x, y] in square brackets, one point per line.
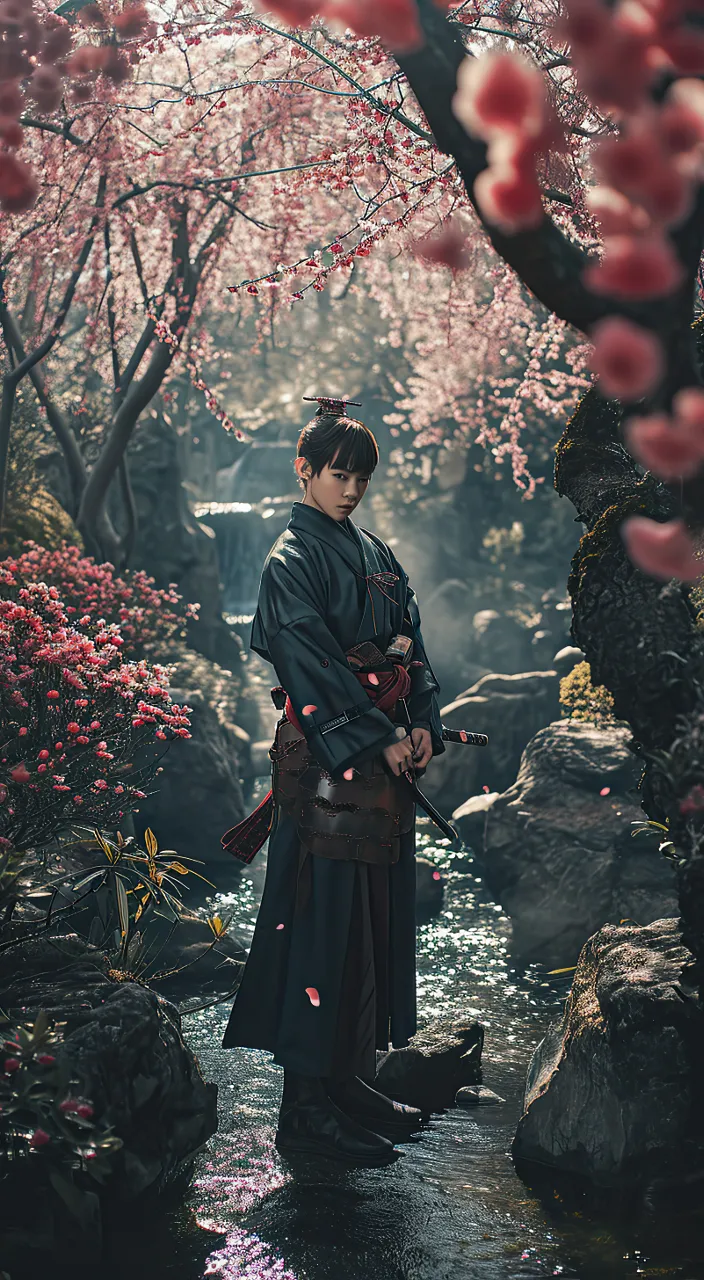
[452, 1206]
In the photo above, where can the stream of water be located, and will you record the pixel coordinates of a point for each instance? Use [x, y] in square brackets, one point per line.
[452, 1207]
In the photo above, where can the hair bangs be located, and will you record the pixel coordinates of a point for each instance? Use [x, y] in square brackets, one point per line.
[358, 450]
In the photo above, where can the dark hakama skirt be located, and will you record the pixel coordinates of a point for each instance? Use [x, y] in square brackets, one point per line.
[348, 934]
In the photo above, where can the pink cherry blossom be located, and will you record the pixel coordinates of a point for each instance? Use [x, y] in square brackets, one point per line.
[688, 406]
[628, 361]
[499, 92]
[39, 1138]
[661, 550]
[447, 247]
[670, 448]
[645, 267]
[312, 993]
[510, 202]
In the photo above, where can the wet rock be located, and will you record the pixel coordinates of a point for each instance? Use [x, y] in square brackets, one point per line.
[199, 794]
[566, 660]
[510, 709]
[470, 818]
[172, 545]
[441, 1059]
[611, 1089]
[124, 1043]
[560, 856]
[477, 1095]
[430, 890]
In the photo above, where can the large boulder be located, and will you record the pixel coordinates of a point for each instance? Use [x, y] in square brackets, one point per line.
[198, 796]
[171, 544]
[558, 850]
[124, 1046]
[510, 709]
[612, 1091]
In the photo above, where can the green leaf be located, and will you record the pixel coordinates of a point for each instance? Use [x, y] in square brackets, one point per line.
[122, 907]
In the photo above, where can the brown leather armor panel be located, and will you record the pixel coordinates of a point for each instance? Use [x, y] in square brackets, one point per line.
[360, 819]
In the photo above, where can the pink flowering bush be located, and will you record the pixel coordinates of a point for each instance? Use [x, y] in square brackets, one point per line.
[94, 595]
[43, 1114]
[74, 714]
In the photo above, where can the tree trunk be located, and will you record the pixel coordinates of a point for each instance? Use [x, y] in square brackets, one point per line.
[639, 635]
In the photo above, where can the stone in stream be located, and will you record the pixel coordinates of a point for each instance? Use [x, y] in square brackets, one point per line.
[613, 1089]
[476, 1095]
[440, 1060]
[557, 849]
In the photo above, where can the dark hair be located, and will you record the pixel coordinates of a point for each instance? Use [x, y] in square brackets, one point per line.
[329, 437]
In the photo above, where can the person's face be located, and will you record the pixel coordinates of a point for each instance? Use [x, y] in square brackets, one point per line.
[335, 491]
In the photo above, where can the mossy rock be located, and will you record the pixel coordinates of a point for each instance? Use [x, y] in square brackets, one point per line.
[35, 516]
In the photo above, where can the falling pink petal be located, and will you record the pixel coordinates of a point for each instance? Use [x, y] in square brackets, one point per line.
[312, 993]
[348, 775]
[635, 267]
[279, 926]
[485, 788]
[309, 709]
[669, 449]
[628, 360]
[661, 550]
[605, 791]
[436, 875]
[372, 678]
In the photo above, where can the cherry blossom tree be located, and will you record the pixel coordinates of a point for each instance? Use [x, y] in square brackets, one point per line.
[499, 177]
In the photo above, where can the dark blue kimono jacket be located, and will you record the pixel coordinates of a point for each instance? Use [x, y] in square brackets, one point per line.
[327, 586]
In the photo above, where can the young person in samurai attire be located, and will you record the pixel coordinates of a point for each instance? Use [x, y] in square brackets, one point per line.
[331, 972]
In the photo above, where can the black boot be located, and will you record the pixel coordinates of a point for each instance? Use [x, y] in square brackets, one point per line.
[369, 1107]
[311, 1124]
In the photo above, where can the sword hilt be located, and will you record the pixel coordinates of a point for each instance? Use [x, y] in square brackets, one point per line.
[464, 737]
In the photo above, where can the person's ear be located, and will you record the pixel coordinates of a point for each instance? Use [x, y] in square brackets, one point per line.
[303, 469]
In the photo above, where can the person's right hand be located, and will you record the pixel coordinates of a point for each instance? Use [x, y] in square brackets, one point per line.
[399, 756]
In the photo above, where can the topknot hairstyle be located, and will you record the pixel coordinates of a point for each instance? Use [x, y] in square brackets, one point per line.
[331, 436]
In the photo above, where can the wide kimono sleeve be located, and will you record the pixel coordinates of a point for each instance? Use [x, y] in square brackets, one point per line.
[342, 726]
[423, 698]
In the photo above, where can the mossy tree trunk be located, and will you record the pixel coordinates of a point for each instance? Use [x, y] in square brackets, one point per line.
[639, 635]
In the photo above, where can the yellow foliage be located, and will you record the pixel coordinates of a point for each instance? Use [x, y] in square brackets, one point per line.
[581, 700]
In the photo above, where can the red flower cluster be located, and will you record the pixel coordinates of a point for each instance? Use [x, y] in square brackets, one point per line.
[87, 749]
[35, 61]
[103, 604]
